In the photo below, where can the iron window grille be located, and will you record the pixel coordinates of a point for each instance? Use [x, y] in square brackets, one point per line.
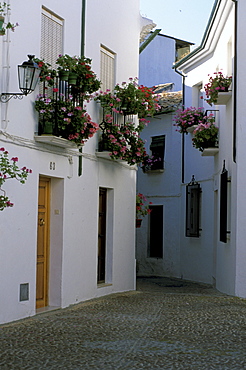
[193, 194]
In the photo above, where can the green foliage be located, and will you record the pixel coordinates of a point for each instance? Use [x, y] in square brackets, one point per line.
[10, 170]
[217, 83]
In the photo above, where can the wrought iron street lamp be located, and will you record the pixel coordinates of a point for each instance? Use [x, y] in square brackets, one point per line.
[28, 76]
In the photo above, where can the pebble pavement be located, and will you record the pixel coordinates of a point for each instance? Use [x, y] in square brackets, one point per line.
[165, 324]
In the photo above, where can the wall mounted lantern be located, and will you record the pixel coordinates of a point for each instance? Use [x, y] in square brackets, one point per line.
[28, 76]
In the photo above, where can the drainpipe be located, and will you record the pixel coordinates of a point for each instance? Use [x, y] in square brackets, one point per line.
[183, 139]
[82, 53]
[235, 84]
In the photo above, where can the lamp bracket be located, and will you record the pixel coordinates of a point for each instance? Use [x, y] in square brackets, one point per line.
[5, 97]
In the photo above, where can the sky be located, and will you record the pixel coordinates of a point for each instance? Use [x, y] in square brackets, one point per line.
[182, 19]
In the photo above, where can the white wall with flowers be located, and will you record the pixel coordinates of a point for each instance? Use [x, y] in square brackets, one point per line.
[217, 55]
[72, 275]
[208, 259]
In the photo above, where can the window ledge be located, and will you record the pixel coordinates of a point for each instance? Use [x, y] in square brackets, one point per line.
[154, 171]
[103, 154]
[103, 285]
[208, 152]
[223, 98]
[55, 140]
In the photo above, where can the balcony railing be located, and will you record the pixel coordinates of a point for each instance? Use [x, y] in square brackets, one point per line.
[60, 91]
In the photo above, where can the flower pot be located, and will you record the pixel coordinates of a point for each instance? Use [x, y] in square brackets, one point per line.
[138, 223]
[72, 78]
[64, 75]
[48, 128]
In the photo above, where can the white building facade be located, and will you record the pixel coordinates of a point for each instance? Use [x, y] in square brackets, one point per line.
[65, 206]
[217, 255]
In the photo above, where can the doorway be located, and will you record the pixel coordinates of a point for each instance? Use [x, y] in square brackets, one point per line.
[101, 265]
[43, 243]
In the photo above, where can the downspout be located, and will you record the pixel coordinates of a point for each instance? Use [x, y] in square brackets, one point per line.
[235, 84]
[82, 53]
[183, 139]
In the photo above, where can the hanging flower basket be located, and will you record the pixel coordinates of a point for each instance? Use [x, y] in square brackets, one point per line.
[217, 83]
[206, 135]
[186, 119]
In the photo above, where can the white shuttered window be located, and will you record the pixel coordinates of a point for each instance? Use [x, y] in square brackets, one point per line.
[51, 37]
[107, 69]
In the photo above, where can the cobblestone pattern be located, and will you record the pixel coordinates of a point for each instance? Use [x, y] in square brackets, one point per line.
[165, 324]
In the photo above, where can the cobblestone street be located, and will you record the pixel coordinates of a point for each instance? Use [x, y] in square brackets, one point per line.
[165, 324]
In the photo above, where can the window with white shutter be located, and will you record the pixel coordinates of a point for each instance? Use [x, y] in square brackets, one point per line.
[107, 69]
[51, 37]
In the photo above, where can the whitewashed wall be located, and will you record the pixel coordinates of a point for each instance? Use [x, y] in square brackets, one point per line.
[228, 273]
[74, 228]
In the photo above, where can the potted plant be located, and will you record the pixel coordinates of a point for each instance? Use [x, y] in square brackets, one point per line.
[206, 135]
[86, 79]
[66, 64]
[217, 83]
[142, 208]
[150, 162]
[187, 118]
[10, 170]
[4, 9]
[130, 99]
[61, 117]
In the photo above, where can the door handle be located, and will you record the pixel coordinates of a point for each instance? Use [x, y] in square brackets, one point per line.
[41, 222]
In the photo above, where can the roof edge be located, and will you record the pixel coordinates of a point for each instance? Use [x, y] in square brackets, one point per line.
[205, 35]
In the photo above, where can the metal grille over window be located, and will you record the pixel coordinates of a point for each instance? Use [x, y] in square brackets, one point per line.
[223, 204]
[193, 193]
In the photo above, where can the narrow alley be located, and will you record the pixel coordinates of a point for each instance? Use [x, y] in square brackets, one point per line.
[165, 324]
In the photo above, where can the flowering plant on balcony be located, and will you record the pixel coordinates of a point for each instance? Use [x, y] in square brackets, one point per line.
[206, 134]
[63, 118]
[150, 162]
[10, 170]
[142, 207]
[188, 117]
[217, 83]
[47, 73]
[130, 99]
[122, 141]
[86, 79]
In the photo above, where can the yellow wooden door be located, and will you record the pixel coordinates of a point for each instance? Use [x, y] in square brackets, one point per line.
[42, 243]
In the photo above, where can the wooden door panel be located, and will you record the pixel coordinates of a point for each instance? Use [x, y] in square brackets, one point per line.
[42, 244]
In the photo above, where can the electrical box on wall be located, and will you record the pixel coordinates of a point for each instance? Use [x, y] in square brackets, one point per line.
[24, 292]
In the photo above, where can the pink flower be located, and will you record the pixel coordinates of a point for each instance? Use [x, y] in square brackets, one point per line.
[14, 159]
